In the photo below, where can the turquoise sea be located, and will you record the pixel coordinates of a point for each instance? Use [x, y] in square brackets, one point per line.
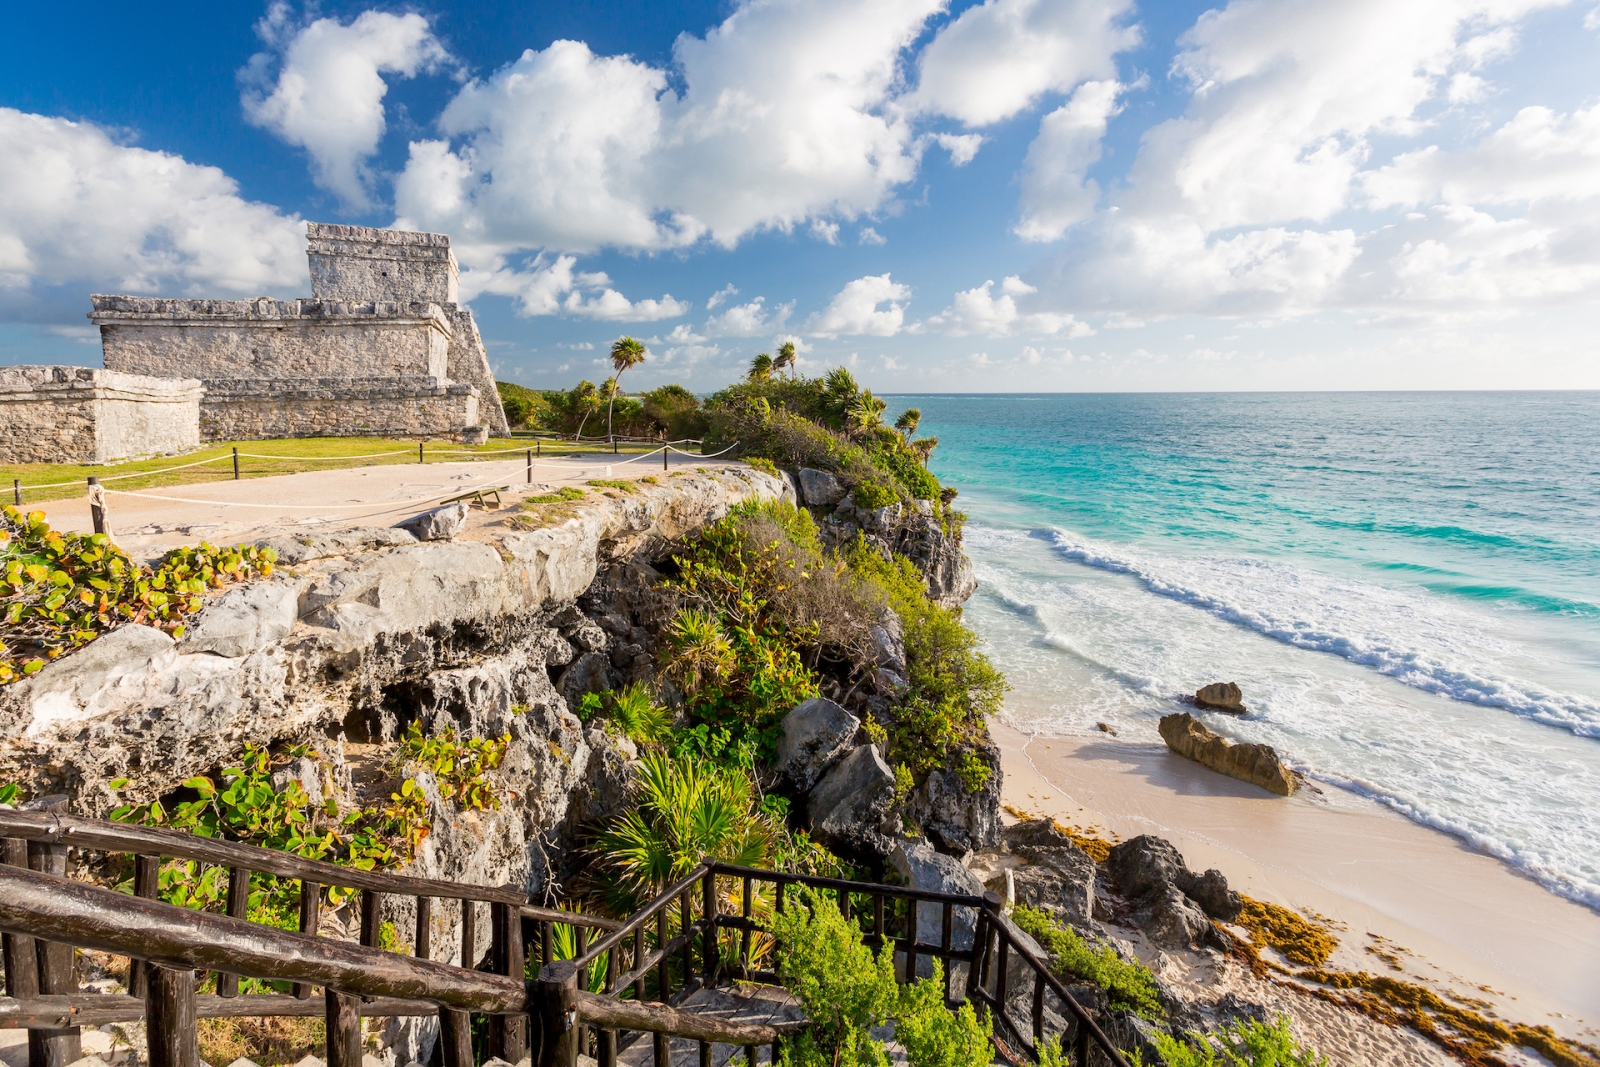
[1405, 585]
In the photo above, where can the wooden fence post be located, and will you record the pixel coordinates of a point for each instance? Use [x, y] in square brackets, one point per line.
[97, 506]
[343, 1029]
[508, 1034]
[57, 977]
[708, 912]
[556, 1004]
[238, 908]
[455, 1038]
[310, 906]
[170, 1018]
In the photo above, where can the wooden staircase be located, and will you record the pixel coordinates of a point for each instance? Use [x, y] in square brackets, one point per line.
[677, 978]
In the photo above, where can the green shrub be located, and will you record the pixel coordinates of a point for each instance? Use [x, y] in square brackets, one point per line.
[1128, 986]
[60, 591]
[972, 770]
[1241, 1043]
[614, 483]
[953, 687]
[676, 411]
[874, 495]
[559, 496]
[523, 406]
[847, 992]
[639, 716]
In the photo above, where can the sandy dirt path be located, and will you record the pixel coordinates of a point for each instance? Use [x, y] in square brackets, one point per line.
[150, 521]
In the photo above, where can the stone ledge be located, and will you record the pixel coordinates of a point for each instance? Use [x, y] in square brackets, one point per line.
[225, 390]
[67, 383]
[397, 241]
[165, 311]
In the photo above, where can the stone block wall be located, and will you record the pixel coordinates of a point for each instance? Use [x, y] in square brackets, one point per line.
[209, 339]
[361, 263]
[263, 408]
[87, 415]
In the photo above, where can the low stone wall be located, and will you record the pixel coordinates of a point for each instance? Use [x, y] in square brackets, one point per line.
[210, 339]
[249, 409]
[86, 415]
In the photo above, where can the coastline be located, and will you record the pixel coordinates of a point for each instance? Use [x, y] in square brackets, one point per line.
[1466, 922]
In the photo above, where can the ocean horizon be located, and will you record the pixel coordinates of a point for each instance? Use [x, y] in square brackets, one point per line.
[1405, 584]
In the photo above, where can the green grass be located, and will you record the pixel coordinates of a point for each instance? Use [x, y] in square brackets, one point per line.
[302, 454]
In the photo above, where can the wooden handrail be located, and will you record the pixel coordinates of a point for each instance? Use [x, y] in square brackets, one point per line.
[1006, 929]
[611, 1014]
[929, 896]
[156, 840]
[97, 1009]
[61, 910]
[571, 918]
[663, 899]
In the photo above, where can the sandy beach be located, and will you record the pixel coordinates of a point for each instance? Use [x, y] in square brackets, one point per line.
[1465, 921]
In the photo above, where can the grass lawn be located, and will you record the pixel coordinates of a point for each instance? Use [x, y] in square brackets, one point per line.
[299, 454]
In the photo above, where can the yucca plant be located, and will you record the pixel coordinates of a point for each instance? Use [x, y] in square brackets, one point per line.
[701, 651]
[637, 714]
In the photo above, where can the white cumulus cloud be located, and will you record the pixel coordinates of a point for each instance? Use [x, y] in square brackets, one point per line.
[979, 311]
[327, 95]
[570, 151]
[1056, 194]
[855, 309]
[78, 208]
[748, 320]
[1000, 56]
[550, 286]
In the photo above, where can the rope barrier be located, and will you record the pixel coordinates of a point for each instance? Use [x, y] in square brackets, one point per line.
[369, 455]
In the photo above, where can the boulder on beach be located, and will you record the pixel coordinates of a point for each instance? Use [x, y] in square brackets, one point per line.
[1221, 696]
[1256, 764]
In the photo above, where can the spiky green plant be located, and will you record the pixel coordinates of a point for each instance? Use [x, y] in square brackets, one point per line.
[686, 810]
[637, 714]
[701, 651]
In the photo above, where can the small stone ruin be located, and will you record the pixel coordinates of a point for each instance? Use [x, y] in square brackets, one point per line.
[383, 348]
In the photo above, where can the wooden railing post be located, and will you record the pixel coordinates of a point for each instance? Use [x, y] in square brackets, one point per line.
[239, 908]
[146, 884]
[508, 1034]
[170, 1024]
[22, 966]
[57, 977]
[981, 939]
[310, 908]
[708, 912]
[455, 1038]
[422, 944]
[556, 1004]
[608, 1037]
[343, 1029]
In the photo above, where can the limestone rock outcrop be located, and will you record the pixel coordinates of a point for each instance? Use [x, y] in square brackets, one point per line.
[436, 524]
[915, 532]
[920, 866]
[1173, 904]
[388, 630]
[955, 818]
[848, 807]
[1058, 877]
[1221, 696]
[815, 735]
[1254, 763]
[819, 489]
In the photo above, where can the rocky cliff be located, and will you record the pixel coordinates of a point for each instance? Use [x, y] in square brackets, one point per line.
[358, 635]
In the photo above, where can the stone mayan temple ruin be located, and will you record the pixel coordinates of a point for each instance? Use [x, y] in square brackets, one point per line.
[382, 348]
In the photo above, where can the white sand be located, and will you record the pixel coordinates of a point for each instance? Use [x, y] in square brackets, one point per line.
[1466, 919]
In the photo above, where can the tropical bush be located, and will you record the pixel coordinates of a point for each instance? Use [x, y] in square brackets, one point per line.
[60, 591]
[670, 411]
[1241, 1043]
[846, 992]
[953, 687]
[829, 424]
[1128, 986]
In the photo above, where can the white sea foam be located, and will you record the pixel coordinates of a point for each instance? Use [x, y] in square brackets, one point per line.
[1089, 633]
[1431, 646]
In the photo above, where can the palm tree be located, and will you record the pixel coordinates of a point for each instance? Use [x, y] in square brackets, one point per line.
[625, 352]
[924, 446]
[907, 422]
[784, 358]
[585, 399]
[867, 414]
[761, 367]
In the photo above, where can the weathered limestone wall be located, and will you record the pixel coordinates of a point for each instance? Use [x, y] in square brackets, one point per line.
[362, 264]
[470, 363]
[243, 409]
[86, 415]
[210, 339]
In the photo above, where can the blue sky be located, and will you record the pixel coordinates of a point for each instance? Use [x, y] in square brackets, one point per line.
[1011, 195]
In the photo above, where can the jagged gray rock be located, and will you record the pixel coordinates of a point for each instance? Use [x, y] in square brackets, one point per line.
[1059, 876]
[437, 524]
[815, 734]
[243, 619]
[921, 867]
[819, 489]
[1151, 873]
[957, 820]
[889, 642]
[848, 806]
[301, 769]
